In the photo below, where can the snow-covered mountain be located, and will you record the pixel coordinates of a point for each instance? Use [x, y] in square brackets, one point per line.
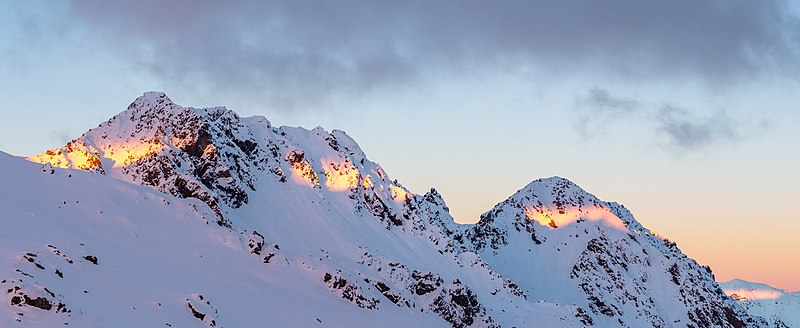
[779, 307]
[563, 244]
[173, 216]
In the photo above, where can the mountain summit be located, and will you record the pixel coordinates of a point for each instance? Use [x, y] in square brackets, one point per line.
[175, 216]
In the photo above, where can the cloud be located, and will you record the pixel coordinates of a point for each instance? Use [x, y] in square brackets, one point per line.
[684, 132]
[599, 108]
[601, 100]
[680, 129]
[308, 50]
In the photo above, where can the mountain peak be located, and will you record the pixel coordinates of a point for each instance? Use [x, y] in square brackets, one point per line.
[152, 100]
[743, 289]
[553, 185]
[557, 202]
[552, 179]
[551, 222]
[216, 156]
[205, 153]
[153, 96]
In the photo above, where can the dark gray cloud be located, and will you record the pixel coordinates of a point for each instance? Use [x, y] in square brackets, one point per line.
[300, 49]
[598, 108]
[679, 129]
[684, 132]
[601, 100]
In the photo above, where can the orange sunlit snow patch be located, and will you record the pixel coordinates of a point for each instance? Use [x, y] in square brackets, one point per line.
[68, 157]
[753, 294]
[303, 173]
[557, 219]
[398, 193]
[129, 153]
[368, 182]
[77, 155]
[340, 176]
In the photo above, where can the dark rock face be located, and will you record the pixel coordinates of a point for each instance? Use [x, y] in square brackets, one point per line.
[22, 297]
[201, 308]
[208, 154]
[454, 301]
[255, 242]
[584, 317]
[377, 207]
[205, 153]
[603, 275]
[425, 283]
[484, 234]
[458, 305]
[349, 290]
[91, 258]
[266, 251]
[39, 302]
[392, 296]
[195, 313]
[297, 159]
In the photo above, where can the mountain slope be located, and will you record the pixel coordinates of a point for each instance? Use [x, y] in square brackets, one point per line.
[561, 243]
[302, 211]
[92, 251]
[779, 307]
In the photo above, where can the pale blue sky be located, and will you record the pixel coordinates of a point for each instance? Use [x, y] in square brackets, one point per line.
[686, 113]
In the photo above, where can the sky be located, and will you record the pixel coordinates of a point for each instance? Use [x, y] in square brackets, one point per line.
[684, 111]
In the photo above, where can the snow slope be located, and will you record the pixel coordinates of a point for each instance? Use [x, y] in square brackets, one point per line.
[779, 307]
[155, 254]
[297, 227]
